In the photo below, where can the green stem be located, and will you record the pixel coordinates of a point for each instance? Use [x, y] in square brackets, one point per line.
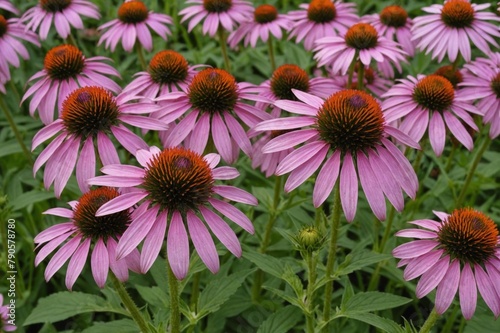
[455, 63]
[195, 290]
[311, 280]
[12, 124]
[449, 163]
[175, 314]
[361, 75]
[332, 253]
[140, 56]
[450, 320]
[429, 323]
[259, 275]
[350, 71]
[472, 170]
[129, 303]
[271, 53]
[14, 90]
[223, 46]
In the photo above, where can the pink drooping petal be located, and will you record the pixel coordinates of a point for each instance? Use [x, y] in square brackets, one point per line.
[414, 249]
[76, 263]
[100, 263]
[468, 292]
[85, 168]
[235, 194]
[326, 179]
[153, 242]
[221, 138]
[62, 212]
[222, 231]
[136, 232]
[225, 173]
[371, 187]
[432, 277]
[233, 214]
[120, 203]
[203, 242]
[437, 133]
[55, 231]
[61, 257]
[421, 264]
[416, 233]
[120, 267]
[487, 290]
[106, 149]
[348, 188]
[178, 247]
[448, 287]
[299, 157]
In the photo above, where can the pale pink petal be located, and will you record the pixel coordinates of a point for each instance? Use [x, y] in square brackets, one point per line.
[203, 242]
[76, 263]
[100, 263]
[348, 187]
[178, 247]
[222, 231]
[468, 292]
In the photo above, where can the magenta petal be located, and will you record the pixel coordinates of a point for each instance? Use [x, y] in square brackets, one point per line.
[54, 231]
[225, 172]
[414, 249]
[235, 194]
[233, 214]
[487, 290]
[432, 277]
[221, 138]
[448, 287]
[421, 264]
[153, 242]
[222, 231]
[61, 257]
[302, 173]
[203, 242]
[371, 187]
[468, 292]
[299, 157]
[136, 232]
[106, 149]
[349, 188]
[178, 247]
[120, 203]
[76, 263]
[326, 179]
[437, 133]
[85, 168]
[100, 263]
[50, 246]
[62, 212]
[417, 233]
[120, 267]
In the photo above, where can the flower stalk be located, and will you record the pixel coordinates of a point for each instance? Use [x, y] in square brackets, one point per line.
[175, 313]
[223, 46]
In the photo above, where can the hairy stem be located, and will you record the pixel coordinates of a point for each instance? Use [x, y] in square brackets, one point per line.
[175, 313]
[14, 128]
[223, 47]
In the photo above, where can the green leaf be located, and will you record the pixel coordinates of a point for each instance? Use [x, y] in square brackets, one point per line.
[122, 326]
[287, 297]
[67, 304]
[360, 260]
[30, 197]
[281, 321]
[266, 263]
[373, 301]
[386, 325]
[153, 296]
[219, 290]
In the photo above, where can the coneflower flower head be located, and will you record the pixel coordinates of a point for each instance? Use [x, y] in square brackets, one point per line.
[8, 6]
[64, 13]
[90, 114]
[212, 101]
[394, 24]
[454, 27]
[266, 22]
[460, 253]
[65, 69]
[82, 231]
[218, 14]
[482, 83]
[430, 102]
[168, 71]
[177, 186]
[133, 23]
[321, 18]
[361, 40]
[351, 125]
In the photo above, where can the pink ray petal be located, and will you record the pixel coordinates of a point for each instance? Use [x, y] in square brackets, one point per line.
[203, 242]
[178, 247]
[100, 263]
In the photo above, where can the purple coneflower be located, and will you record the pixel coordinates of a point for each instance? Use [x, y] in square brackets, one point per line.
[12, 31]
[360, 41]
[133, 22]
[90, 114]
[321, 18]
[452, 256]
[8, 6]
[84, 231]
[284, 79]
[178, 187]
[168, 71]
[266, 21]
[430, 101]
[483, 84]
[212, 101]
[4, 316]
[65, 68]
[351, 125]
[217, 14]
[64, 13]
[451, 27]
[393, 23]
